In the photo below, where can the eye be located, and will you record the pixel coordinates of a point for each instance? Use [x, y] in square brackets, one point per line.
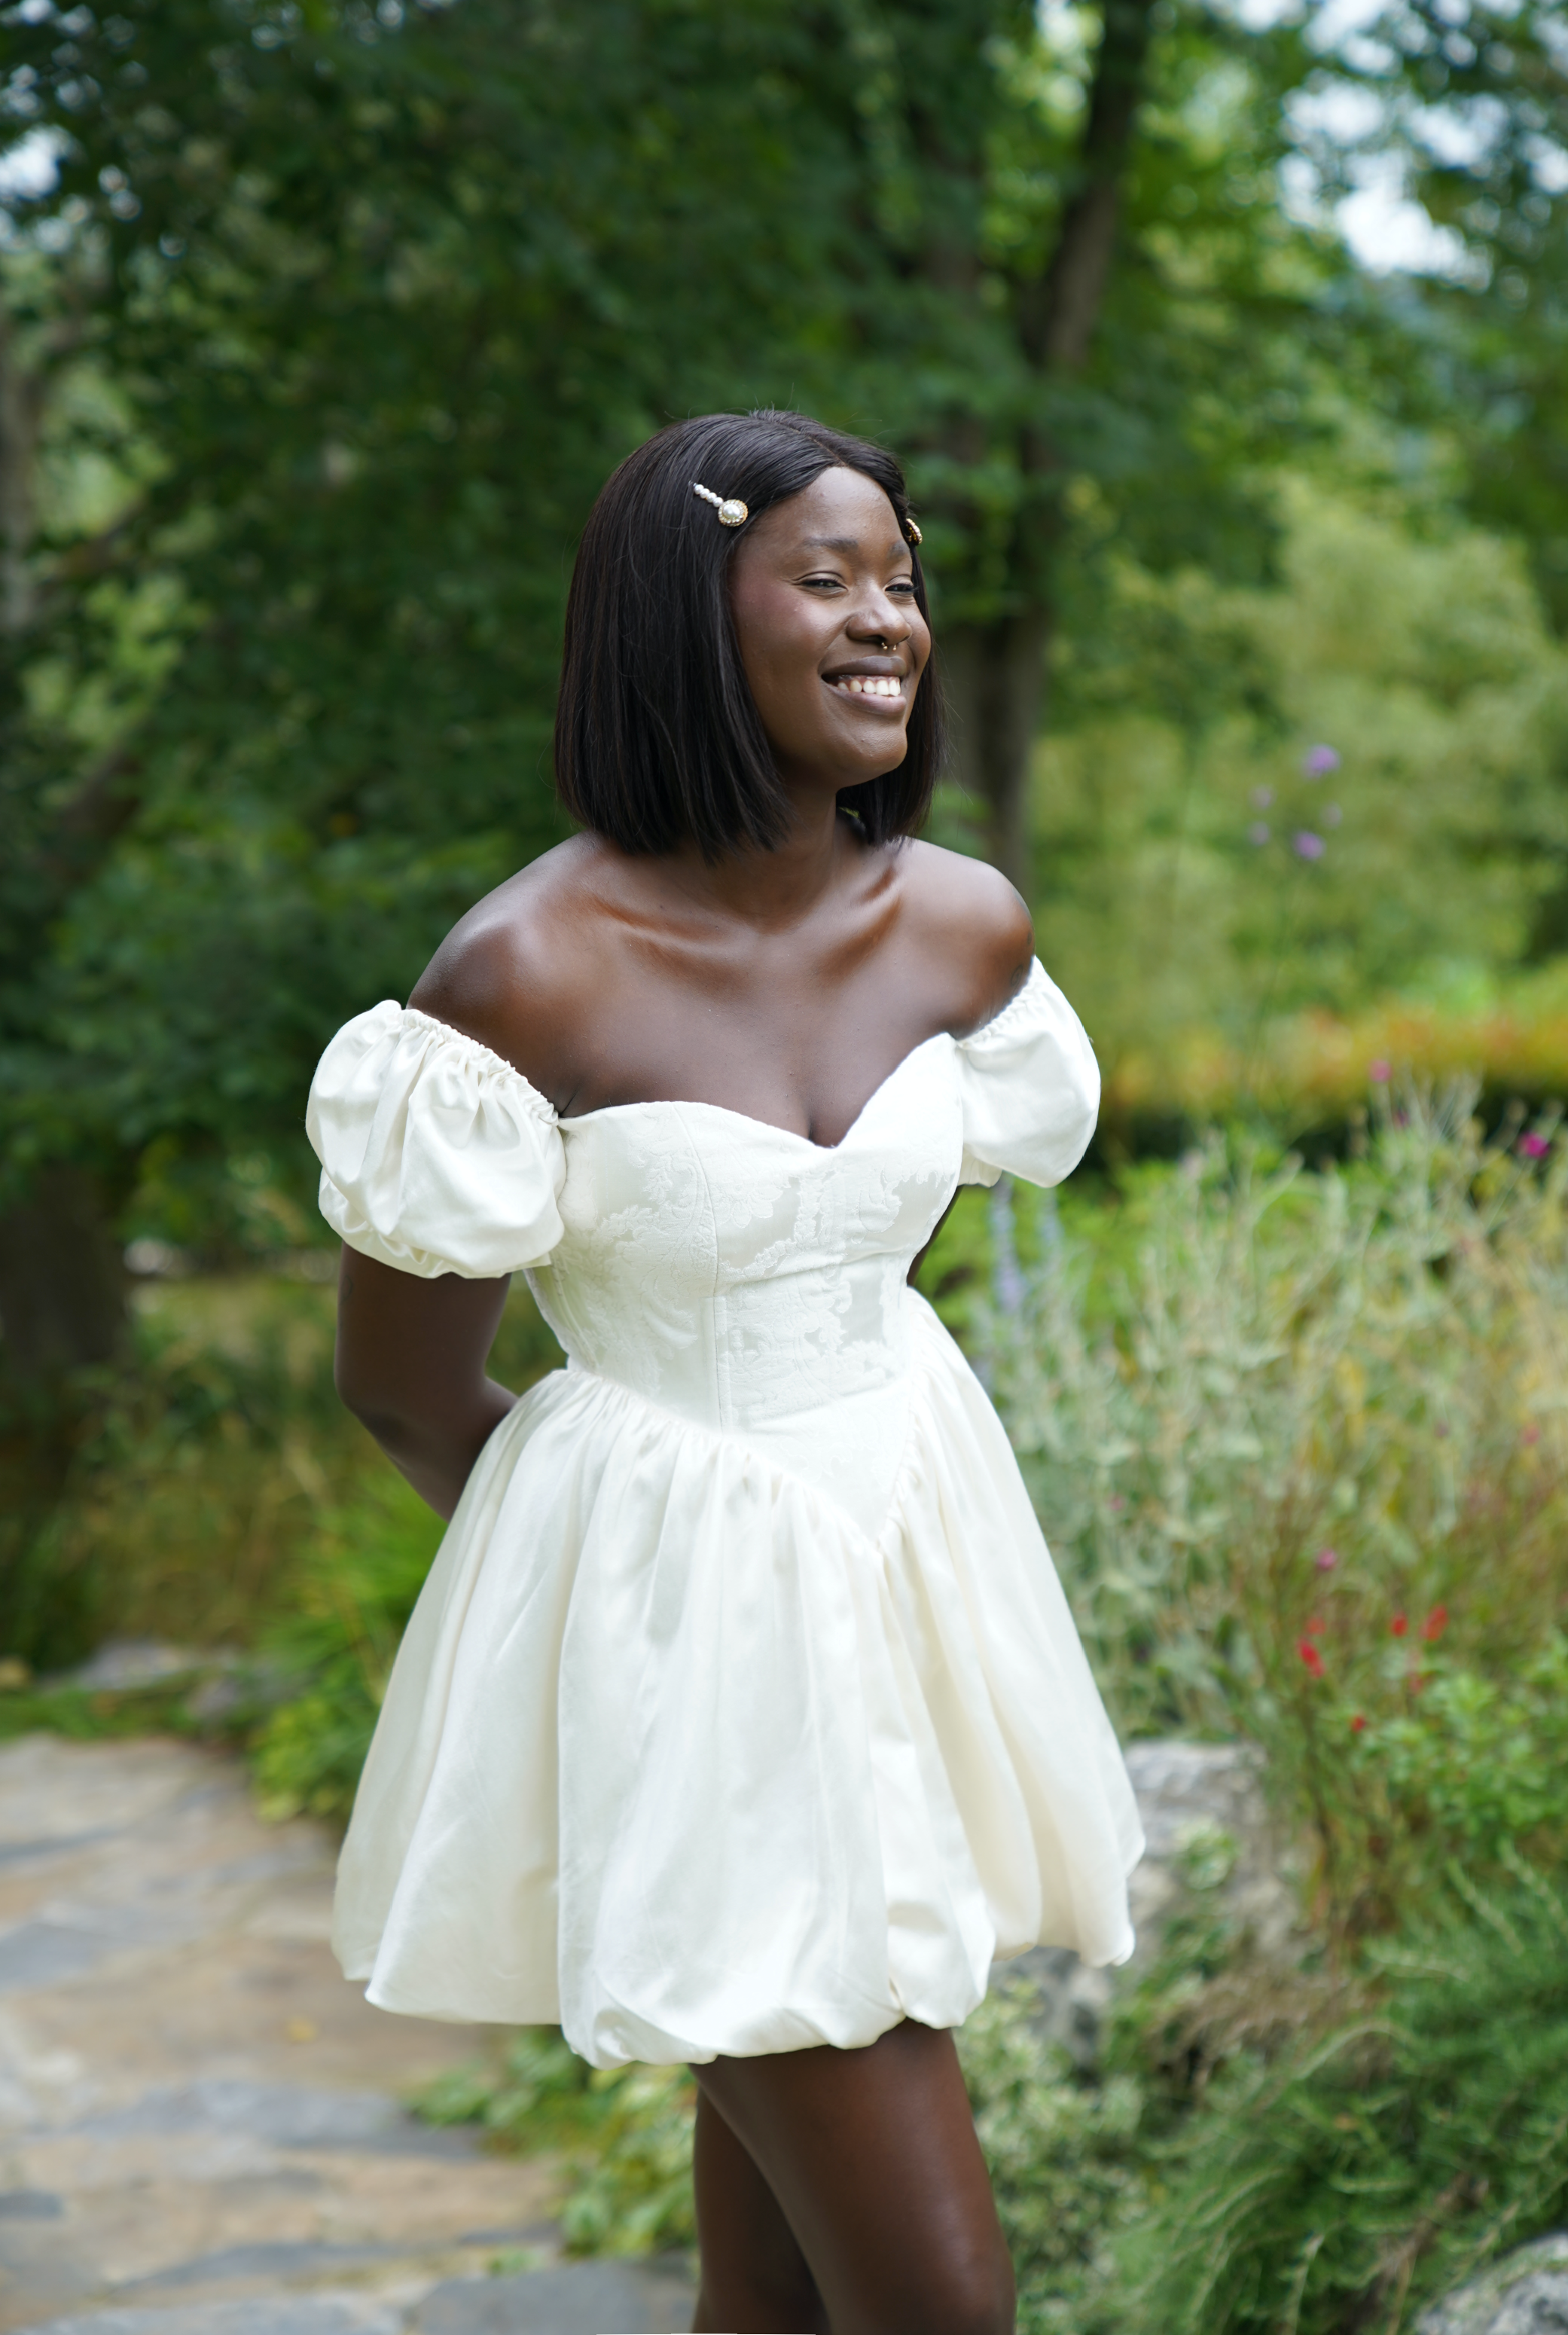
[823, 583]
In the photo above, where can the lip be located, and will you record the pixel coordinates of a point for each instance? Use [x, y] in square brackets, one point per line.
[871, 668]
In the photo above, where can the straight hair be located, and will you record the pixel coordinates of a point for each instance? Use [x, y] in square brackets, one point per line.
[657, 734]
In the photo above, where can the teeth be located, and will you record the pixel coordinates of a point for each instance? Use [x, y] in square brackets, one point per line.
[873, 685]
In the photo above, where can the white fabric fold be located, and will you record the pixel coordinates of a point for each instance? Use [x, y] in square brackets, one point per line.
[677, 1755]
[1031, 1088]
[437, 1156]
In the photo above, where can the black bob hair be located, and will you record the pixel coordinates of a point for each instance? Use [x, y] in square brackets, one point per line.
[657, 734]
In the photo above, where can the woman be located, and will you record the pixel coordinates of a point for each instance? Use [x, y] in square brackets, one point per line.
[741, 1719]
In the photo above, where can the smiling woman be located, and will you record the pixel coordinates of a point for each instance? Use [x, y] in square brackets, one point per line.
[687, 640]
[741, 1719]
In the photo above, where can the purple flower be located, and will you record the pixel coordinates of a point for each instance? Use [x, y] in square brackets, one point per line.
[1258, 832]
[1378, 1072]
[1333, 815]
[1308, 845]
[1318, 761]
[1326, 1559]
[1261, 798]
[1534, 1147]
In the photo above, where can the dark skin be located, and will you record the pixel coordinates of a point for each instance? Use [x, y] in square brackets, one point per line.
[836, 2189]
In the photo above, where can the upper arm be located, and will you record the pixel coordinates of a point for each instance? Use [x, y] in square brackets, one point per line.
[407, 1347]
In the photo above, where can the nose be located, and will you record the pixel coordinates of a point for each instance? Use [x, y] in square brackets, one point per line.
[880, 618]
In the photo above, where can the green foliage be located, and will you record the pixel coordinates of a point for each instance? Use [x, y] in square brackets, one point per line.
[625, 2132]
[83, 1715]
[355, 1589]
[1381, 2161]
[1262, 1413]
[336, 325]
[1172, 897]
[1065, 2159]
[198, 1462]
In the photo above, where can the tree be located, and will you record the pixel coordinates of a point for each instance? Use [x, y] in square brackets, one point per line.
[327, 334]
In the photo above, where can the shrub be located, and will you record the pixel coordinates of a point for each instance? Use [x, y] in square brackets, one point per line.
[1263, 1415]
[625, 2132]
[354, 1588]
[1382, 2159]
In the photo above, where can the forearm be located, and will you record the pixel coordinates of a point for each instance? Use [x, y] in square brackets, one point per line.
[436, 1452]
[411, 1366]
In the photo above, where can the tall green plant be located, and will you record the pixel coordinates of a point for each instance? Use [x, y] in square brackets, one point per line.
[1273, 1423]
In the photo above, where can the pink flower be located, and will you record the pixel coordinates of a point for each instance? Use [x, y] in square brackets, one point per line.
[1435, 1623]
[1311, 1656]
[1534, 1147]
[1531, 1432]
[1398, 1626]
[1318, 761]
[1378, 1072]
[1308, 845]
[1326, 1559]
[1116, 1503]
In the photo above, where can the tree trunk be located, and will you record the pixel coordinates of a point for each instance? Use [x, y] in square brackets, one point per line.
[996, 672]
[62, 1286]
[995, 678]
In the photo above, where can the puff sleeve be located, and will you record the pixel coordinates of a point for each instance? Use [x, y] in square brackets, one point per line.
[437, 1156]
[1031, 1088]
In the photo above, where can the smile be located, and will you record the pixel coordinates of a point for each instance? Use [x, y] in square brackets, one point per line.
[869, 684]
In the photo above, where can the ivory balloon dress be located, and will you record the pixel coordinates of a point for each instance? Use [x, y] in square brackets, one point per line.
[742, 1710]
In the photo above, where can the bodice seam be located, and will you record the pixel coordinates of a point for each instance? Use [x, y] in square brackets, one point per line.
[735, 1436]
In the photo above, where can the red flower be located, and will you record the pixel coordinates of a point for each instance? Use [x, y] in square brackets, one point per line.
[1357, 1724]
[1435, 1623]
[1316, 1626]
[1311, 1656]
[1398, 1625]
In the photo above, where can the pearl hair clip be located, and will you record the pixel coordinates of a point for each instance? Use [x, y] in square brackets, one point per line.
[732, 511]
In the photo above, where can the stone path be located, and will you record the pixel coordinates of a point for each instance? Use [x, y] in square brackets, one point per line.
[200, 2123]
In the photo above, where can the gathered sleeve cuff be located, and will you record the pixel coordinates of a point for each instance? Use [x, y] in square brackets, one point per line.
[436, 1155]
[1030, 1088]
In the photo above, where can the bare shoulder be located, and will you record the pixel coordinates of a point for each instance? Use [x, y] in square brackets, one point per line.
[965, 914]
[514, 972]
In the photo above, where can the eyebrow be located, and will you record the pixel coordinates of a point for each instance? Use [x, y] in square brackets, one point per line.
[835, 543]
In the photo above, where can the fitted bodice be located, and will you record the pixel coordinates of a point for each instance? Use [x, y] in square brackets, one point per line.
[735, 1274]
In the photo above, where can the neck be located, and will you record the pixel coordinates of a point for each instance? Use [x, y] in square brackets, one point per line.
[778, 886]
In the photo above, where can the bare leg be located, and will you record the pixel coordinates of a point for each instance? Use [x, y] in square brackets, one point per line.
[754, 2273]
[873, 2169]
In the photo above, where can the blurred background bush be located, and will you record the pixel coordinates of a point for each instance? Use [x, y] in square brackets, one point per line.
[1223, 340]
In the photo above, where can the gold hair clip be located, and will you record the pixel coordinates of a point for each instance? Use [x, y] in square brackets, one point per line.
[732, 511]
[912, 532]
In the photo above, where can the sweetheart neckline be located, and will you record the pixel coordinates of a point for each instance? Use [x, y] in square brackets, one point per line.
[545, 1109]
[749, 1118]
